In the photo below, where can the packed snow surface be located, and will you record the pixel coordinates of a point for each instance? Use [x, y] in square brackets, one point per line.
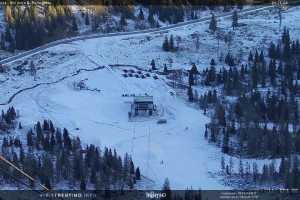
[176, 150]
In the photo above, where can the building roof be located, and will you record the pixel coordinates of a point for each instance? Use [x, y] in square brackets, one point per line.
[137, 99]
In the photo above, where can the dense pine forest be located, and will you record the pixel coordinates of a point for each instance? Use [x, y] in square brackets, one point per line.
[255, 110]
[53, 157]
[29, 26]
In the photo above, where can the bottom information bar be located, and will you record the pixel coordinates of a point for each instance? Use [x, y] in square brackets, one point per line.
[152, 194]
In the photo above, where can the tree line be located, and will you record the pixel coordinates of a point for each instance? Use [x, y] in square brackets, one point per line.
[261, 117]
[285, 172]
[7, 119]
[52, 156]
[33, 25]
[30, 26]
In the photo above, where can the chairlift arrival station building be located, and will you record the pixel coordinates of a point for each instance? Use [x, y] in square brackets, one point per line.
[143, 104]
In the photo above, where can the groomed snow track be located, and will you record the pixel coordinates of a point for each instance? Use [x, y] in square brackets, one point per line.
[49, 83]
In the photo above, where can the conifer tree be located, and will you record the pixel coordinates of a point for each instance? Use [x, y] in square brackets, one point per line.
[151, 19]
[20, 125]
[74, 25]
[272, 51]
[250, 57]
[171, 43]
[123, 21]
[190, 94]
[153, 67]
[278, 51]
[167, 189]
[220, 112]
[165, 69]
[30, 138]
[87, 20]
[234, 19]
[66, 139]
[225, 145]
[141, 15]
[212, 62]
[8, 36]
[231, 166]
[213, 23]
[137, 174]
[166, 46]
[2, 42]
[39, 132]
[82, 184]
[52, 129]
[223, 163]
[241, 168]
[254, 76]
[191, 79]
[261, 57]
[46, 125]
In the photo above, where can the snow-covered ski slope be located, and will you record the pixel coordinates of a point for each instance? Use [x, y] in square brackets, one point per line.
[176, 150]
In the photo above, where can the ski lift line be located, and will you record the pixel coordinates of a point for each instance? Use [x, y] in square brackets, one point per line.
[132, 141]
[16, 179]
[21, 171]
[148, 153]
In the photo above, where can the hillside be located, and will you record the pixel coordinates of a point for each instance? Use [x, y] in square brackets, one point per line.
[85, 87]
[53, 21]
